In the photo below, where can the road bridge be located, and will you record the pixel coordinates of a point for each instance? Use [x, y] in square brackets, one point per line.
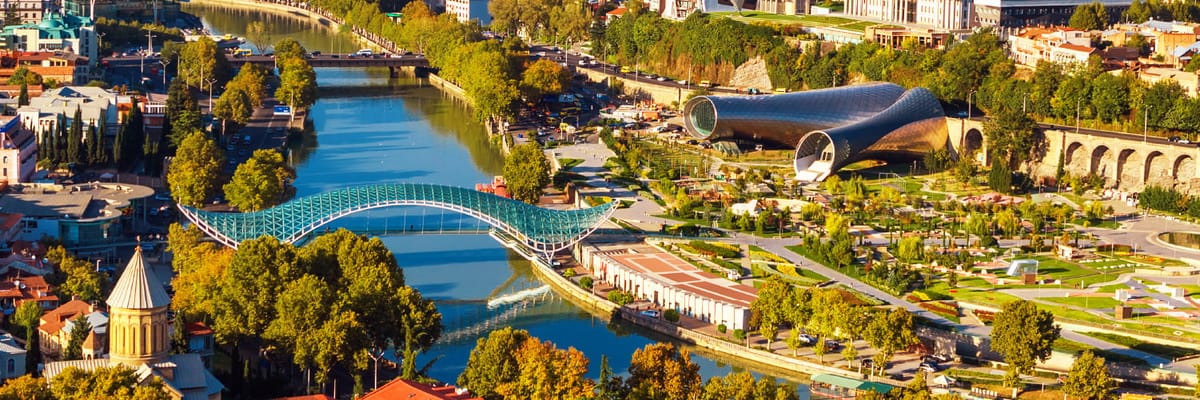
[394, 63]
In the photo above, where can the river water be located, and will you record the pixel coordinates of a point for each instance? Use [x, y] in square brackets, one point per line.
[372, 129]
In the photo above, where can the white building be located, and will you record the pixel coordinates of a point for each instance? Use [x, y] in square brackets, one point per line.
[940, 14]
[18, 152]
[466, 10]
[30, 11]
[670, 283]
[1062, 45]
[84, 214]
[95, 104]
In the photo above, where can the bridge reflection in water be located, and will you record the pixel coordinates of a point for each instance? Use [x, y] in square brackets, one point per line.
[537, 229]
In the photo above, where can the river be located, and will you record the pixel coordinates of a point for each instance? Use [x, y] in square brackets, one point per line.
[372, 129]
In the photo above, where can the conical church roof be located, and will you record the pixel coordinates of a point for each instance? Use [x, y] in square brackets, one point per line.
[138, 288]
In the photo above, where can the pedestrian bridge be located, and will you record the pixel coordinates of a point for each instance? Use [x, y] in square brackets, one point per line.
[539, 229]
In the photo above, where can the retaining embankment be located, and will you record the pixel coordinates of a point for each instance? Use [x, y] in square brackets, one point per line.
[638, 89]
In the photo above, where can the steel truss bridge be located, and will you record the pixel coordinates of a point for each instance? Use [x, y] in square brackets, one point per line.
[539, 229]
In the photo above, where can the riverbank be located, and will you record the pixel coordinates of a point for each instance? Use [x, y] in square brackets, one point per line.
[317, 16]
[779, 365]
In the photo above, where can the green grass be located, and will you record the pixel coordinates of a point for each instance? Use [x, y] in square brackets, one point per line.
[1070, 346]
[1105, 223]
[858, 26]
[1058, 269]
[568, 163]
[984, 298]
[1084, 302]
[1113, 288]
[1165, 351]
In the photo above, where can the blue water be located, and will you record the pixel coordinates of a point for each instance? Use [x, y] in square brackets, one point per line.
[371, 129]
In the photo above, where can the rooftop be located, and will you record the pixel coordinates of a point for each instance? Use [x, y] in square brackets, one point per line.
[676, 272]
[138, 288]
[402, 389]
[84, 201]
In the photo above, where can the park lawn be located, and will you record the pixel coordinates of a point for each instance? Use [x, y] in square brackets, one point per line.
[984, 298]
[1089, 280]
[568, 163]
[1112, 288]
[1104, 223]
[858, 26]
[1070, 313]
[1070, 346]
[1084, 302]
[1166, 351]
[1058, 269]
[1165, 320]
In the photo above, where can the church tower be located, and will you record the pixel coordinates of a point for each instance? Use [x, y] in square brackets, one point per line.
[137, 326]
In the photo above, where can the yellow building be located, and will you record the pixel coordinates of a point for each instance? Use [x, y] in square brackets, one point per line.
[139, 337]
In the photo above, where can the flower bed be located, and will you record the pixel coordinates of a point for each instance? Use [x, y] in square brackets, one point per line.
[946, 309]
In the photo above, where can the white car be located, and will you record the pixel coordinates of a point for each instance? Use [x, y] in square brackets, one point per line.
[661, 79]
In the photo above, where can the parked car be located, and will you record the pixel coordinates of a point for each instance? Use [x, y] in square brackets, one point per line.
[650, 313]
[808, 339]
[930, 367]
[832, 346]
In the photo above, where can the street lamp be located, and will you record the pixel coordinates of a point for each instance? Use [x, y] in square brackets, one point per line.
[969, 94]
[149, 49]
[1077, 102]
[210, 81]
[164, 63]
[1145, 122]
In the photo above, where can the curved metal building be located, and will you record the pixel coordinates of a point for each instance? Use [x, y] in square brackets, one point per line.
[829, 128]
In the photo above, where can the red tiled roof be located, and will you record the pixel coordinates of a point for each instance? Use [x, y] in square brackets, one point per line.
[1075, 47]
[618, 11]
[54, 320]
[198, 329]
[402, 389]
[680, 274]
[308, 397]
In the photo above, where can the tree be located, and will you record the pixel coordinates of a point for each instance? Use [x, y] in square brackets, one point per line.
[493, 362]
[195, 170]
[1089, 378]
[116, 382]
[95, 147]
[1023, 335]
[911, 249]
[1000, 176]
[743, 386]
[80, 329]
[23, 97]
[259, 182]
[545, 77]
[236, 105]
[26, 387]
[75, 137]
[662, 371]
[890, 331]
[297, 84]
[23, 76]
[527, 171]
[130, 138]
[1138, 12]
[1010, 135]
[917, 389]
[546, 372]
[1089, 17]
[81, 279]
[258, 35]
[183, 112]
[28, 316]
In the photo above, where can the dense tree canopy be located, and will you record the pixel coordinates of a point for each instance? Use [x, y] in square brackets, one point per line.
[195, 171]
[259, 182]
[527, 171]
[663, 371]
[1089, 378]
[1023, 334]
[1089, 17]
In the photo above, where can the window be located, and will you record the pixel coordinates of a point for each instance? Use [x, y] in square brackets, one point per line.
[12, 366]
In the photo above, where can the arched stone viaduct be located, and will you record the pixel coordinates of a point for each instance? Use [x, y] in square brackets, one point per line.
[1125, 161]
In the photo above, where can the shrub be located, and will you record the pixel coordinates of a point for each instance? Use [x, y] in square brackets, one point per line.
[620, 297]
[671, 315]
[711, 250]
[739, 334]
[721, 328]
[568, 273]
[585, 282]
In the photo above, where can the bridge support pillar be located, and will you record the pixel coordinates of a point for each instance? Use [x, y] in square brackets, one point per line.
[398, 71]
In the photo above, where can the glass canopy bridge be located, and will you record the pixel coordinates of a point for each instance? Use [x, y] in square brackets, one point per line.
[538, 229]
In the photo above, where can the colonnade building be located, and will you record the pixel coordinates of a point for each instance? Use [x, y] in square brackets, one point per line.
[670, 283]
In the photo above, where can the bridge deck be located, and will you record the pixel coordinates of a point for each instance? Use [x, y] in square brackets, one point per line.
[340, 61]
